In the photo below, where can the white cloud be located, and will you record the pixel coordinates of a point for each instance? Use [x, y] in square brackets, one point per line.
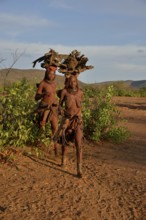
[9, 20]
[131, 67]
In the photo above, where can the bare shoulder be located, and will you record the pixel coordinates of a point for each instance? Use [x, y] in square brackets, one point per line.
[41, 83]
[40, 87]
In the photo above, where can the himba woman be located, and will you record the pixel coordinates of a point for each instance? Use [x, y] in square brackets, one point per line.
[71, 127]
[47, 108]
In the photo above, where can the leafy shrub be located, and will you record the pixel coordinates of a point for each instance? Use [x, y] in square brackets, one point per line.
[142, 92]
[101, 118]
[118, 134]
[17, 115]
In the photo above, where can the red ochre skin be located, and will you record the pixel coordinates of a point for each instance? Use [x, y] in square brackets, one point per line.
[71, 125]
[48, 106]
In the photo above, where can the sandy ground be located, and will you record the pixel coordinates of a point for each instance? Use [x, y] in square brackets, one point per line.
[113, 186]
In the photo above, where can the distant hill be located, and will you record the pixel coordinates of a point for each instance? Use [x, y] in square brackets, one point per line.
[121, 84]
[35, 76]
[138, 84]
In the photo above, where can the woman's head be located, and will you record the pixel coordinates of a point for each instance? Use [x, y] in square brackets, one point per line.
[72, 82]
[50, 73]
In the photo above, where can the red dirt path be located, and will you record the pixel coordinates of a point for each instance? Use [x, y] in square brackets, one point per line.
[113, 186]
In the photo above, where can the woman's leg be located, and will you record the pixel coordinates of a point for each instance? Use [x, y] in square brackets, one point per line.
[63, 158]
[78, 144]
[54, 127]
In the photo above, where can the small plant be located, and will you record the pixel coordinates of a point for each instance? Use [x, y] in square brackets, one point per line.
[118, 134]
[7, 155]
[44, 136]
[102, 117]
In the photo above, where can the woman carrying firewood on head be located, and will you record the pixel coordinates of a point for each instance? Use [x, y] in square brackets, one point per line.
[71, 97]
[47, 109]
[46, 92]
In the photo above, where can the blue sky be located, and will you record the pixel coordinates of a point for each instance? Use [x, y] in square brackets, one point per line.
[111, 33]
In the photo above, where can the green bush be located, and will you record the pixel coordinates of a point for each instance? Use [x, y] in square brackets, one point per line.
[142, 92]
[118, 134]
[102, 118]
[17, 116]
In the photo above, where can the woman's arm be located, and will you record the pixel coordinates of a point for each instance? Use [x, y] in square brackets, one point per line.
[39, 93]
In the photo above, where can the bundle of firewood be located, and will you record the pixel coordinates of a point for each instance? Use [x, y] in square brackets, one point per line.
[51, 58]
[74, 63]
